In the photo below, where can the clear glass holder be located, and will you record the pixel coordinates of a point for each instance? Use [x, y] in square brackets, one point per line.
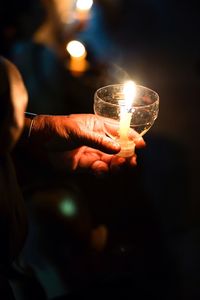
[126, 123]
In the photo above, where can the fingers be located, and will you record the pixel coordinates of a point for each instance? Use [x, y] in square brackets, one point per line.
[120, 163]
[113, 131]
[116, 163]
[112, 128]
[136, 137]
[99, 168]
[101, 142]
[92, 133]
[139, 142]
[133, 161]
[91, 160]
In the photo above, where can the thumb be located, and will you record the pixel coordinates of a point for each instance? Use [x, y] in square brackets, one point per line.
[101, 142]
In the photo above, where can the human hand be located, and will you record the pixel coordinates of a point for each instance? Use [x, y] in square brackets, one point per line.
[78, 142]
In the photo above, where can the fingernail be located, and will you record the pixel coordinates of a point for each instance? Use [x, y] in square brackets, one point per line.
[121, 160]
[115, 145]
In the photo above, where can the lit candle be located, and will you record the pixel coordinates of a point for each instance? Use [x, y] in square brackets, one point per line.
[78, 63]
[129, 92]
[83, 8]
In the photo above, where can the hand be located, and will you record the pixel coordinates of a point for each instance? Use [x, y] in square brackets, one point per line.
[78, 142]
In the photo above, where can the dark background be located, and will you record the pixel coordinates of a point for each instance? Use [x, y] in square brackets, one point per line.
[157, 44]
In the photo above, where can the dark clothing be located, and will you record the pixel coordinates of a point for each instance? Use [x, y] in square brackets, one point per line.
[15, 281]
[13, 225]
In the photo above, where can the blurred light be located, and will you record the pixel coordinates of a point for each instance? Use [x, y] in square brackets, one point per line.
[76, 49]
[67, 207]
[84, 4]
[64, 9]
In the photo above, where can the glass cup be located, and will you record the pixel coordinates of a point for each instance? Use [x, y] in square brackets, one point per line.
[121, 122]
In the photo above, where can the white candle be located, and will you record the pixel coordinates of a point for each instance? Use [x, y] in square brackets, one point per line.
[129, 92]
[125, 120]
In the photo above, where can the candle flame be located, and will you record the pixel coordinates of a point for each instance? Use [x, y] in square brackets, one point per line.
[76, 49]
[84, 4]
[129, 93]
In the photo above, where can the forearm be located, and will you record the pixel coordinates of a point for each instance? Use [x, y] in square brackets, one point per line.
[32, 143]
[40, 130]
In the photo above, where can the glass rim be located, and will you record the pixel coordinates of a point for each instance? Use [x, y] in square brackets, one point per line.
[122, 84]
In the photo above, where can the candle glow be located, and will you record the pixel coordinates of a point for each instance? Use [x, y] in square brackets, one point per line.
[129, 92]
[84, 4]
[83, 8]
[77, 51]
[128, 111]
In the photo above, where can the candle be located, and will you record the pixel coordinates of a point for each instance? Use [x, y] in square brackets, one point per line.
[83, 9]
[128, 111]
[78, 63]
[129, 92]
[124, 125]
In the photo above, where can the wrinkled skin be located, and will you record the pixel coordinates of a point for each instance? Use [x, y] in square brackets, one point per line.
[78, 142]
